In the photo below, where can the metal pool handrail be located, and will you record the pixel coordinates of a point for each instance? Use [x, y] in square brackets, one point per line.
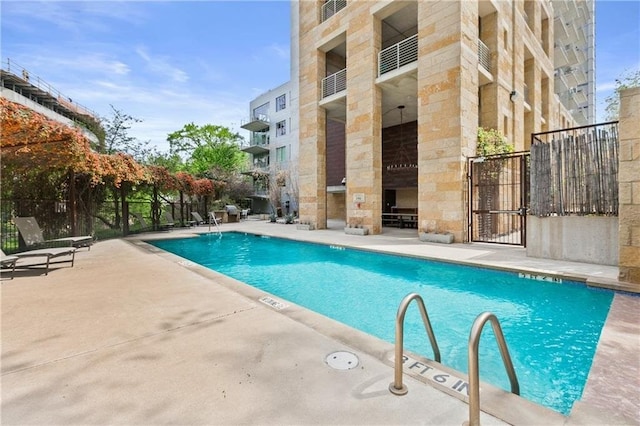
[396, 387]
[474, 376]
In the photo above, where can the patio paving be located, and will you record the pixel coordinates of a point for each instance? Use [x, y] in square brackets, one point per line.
[132, 335]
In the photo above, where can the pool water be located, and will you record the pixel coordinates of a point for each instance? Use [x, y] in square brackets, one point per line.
[551, 329]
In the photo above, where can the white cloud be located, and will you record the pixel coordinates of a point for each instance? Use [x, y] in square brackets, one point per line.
[606, 87]
[160, 65]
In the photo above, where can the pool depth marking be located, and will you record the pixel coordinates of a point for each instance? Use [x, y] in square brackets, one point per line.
[275, 304]
[415, 368]
[540, 278]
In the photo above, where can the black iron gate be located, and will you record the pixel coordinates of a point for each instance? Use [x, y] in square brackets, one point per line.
[499, 198]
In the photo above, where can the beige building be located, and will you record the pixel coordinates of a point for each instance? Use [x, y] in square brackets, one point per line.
[392, 93]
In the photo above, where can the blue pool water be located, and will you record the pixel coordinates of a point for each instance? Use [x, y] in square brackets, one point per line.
[551, 329]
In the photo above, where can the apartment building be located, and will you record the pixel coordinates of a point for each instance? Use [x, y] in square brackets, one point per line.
[273, 141]
[273, 148]
[574, 58]
[392, 93]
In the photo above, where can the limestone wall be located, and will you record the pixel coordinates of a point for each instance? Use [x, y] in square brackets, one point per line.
[629, 192]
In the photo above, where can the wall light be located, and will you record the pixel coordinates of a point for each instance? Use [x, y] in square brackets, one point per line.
[513, 95]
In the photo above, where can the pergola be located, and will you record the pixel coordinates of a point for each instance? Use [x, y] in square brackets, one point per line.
[30, 140]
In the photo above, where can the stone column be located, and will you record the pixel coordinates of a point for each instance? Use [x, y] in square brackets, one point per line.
[629, 181]
[364, 123]
[447, 112]
[312, 124]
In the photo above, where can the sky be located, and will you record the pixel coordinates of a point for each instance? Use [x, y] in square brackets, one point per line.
[170, 63]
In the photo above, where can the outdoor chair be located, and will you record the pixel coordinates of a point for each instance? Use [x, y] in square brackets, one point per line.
[198, 219]
[33, 237]
[170, 223]
[49, 253]
[244, 213]
[8, 262]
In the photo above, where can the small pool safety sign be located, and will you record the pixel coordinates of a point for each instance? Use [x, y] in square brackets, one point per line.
[414, 368]
[275, 304]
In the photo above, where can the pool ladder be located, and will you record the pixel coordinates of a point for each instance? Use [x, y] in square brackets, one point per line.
[212, 218]
[398, 388]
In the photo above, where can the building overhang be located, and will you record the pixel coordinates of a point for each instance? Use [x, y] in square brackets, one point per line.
[256, 150]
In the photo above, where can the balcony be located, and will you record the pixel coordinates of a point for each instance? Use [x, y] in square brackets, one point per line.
[561, 84]
[259, 144]
[564, 56]
[259, 167]
[580, 96]
[334, 83]
[398, 55]
[256, 124]
[261, 164]
[330, 8]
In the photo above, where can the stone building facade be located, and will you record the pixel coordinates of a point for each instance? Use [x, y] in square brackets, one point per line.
[407, 84]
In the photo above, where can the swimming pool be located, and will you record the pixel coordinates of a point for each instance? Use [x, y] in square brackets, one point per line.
[551, 328]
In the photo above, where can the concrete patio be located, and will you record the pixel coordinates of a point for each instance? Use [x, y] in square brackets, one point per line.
[134, 335]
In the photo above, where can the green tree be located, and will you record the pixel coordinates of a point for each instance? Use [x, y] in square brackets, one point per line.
[208, 148]
[627, 80]
[491, 142]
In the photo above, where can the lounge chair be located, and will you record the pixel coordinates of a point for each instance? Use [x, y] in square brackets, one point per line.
[197, 218]
[33, 237]
[141, 221]
[244, 213]
[169, 221]
[8, 262]
[49, 253]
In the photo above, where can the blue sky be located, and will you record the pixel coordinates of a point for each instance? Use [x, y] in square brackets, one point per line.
[166, 63]
[169, 63]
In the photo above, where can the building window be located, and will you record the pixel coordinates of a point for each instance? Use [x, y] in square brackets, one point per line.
[261, 112]
[281, 102]
[281, 154]
[281, 128]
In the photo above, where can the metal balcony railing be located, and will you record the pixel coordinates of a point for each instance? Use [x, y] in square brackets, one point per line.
[398, 55]
[484, 56]
[64, 101]
[331, 7]
[261, 164]
[259, 140]
[334, 83]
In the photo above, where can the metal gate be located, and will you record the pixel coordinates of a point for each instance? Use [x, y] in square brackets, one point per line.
[499, 198]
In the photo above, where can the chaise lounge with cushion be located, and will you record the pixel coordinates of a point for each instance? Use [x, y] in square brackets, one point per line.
[33, 237]
[8, 262]
[49, 253]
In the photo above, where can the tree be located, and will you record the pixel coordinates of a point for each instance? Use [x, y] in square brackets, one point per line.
[207, 148]
[492, 142]
[625, 81]
[117, 138]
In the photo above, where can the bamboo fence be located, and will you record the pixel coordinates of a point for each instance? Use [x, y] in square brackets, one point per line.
[575, 171]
